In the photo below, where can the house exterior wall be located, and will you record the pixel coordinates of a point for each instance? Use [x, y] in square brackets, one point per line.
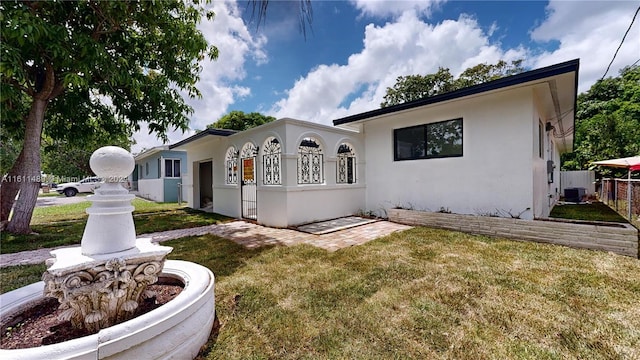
[152, 189]
[546, 186]
[196, 153]
[148, 168]
[315, 204]
[494, 175]
[170, 189]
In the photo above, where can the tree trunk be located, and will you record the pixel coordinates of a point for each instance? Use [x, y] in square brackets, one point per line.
[8, 193]
[27, 170]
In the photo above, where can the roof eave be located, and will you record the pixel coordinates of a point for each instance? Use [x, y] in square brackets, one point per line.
[203, 133]
[525, 77]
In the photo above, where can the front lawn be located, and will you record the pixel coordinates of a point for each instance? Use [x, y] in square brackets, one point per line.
[421, 294]
[64, 224]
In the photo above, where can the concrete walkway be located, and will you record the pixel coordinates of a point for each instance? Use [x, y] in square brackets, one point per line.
[247, 234]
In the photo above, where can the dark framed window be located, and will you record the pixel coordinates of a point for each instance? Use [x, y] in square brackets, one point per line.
[427, 141]
[172, 168]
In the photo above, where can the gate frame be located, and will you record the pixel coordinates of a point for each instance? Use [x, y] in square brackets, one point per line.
[251, 196]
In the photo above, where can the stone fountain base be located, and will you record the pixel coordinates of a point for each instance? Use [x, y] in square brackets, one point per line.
[175, 330]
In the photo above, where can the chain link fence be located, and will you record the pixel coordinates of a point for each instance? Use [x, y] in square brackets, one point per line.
[623, 195]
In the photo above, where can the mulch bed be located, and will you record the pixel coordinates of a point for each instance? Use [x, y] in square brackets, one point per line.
[39, 325]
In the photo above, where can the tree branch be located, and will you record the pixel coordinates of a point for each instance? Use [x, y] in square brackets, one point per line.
[14, 83]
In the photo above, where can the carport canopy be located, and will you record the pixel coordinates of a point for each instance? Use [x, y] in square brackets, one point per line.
[631, 163]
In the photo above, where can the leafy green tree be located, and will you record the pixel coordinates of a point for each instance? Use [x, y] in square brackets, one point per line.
[238, 120]
[69, 158]
[607, 122]
[414, 87]
[63, 60]
[483, 73]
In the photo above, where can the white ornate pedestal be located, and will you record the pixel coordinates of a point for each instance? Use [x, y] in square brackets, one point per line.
[99, 284]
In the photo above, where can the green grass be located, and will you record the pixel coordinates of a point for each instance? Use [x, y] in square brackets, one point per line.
[52, 193]
[595, 211]
[50, 214]
[64, 224]
[422, 294]
[15, 277]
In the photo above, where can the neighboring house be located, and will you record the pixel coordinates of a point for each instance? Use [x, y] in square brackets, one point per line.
[490, 149]
[158, 173]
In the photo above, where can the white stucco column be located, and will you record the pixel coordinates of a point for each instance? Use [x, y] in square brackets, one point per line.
[110, 225]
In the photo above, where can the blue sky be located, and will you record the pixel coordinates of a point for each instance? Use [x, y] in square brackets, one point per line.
[355, 49]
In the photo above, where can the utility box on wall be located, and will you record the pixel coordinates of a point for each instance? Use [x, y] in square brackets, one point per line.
[550, 168]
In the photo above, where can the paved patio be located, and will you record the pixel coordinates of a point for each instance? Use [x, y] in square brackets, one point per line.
[249, 235]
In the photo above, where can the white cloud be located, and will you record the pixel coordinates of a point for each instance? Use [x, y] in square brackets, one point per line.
[406, 46]
[236, 45]
[391, 8]
[591, 31]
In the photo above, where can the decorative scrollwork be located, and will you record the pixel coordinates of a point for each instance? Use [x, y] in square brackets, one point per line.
[271, 161]
[103, 295]
[310, 162]
[231, 161]
[346, 164]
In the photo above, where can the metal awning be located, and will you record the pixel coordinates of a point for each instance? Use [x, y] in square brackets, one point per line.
[632, 163]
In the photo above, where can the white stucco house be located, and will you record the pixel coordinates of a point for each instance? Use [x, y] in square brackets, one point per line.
[280, 174]
[489, 149]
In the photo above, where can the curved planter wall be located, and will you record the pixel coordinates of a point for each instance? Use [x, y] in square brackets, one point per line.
[176, 330]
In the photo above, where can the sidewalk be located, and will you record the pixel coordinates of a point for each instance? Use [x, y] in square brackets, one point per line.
[247, 234]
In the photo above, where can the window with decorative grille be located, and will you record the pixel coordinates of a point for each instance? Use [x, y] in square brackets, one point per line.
[310, 162]
[346, 165]
[271, 161]
[231, 162]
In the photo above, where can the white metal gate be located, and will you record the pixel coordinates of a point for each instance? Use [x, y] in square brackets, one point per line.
[248, 189]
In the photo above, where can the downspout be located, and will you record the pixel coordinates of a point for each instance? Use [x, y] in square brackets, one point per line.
[556, 107]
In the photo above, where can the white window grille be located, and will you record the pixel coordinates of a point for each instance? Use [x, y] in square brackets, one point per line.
[346, 171]
[231, 161]
[310, 162]
[271, 161]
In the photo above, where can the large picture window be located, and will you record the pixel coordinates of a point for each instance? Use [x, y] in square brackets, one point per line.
[435, 140]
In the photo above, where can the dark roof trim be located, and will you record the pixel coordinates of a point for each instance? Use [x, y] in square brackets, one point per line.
[201, 134]
[517, 79]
